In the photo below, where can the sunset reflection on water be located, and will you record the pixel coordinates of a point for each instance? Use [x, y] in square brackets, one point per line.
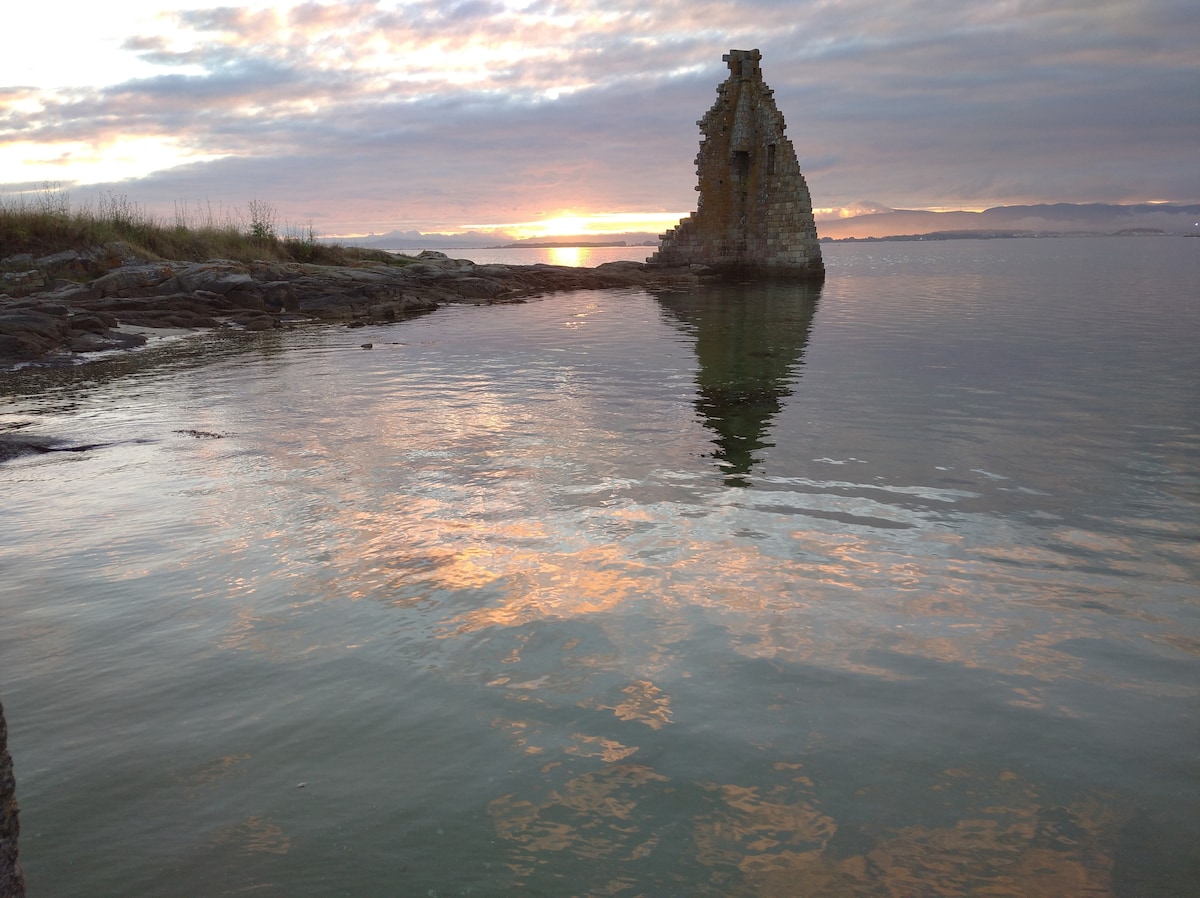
[611, 594]
[609, 637]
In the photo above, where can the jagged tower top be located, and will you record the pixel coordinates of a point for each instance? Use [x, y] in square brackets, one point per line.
[744, 63]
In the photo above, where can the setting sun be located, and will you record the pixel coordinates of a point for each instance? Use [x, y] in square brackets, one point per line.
[566, 225]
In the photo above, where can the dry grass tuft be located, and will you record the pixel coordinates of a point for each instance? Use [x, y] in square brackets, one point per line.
[45, 222]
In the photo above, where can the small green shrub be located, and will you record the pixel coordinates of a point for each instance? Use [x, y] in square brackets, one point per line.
[262, 221]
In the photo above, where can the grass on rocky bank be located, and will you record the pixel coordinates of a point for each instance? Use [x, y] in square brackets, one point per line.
[45, 222]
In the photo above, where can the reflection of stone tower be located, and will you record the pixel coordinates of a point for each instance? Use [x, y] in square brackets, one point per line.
[754, 214]
[750, 342]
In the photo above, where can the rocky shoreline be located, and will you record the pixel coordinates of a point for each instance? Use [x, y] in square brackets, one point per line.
[61, 307]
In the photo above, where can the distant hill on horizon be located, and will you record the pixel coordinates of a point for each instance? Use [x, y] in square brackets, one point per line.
[1049, 218]
[1052, 218]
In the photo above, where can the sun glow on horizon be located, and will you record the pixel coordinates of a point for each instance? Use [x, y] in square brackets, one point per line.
[583, 224]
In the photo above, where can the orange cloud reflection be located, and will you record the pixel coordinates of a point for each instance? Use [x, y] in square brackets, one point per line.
[781, 840]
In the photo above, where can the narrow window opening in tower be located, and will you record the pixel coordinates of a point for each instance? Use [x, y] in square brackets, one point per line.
[770, 159]
[741, 163]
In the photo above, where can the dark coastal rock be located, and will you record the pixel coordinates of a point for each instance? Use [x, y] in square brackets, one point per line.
[70, 293]
[16, 445]
[98, 342]
[27, 333]
[433, 257]
[213, 277]
[481, 288]
[22, 283]
[12, 881]
[91, 323]
[71, 264]
[135, 280]
[278, 296]
[254, 320]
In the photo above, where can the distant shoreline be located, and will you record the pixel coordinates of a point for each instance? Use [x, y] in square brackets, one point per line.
[893, 238]
[1004, 235]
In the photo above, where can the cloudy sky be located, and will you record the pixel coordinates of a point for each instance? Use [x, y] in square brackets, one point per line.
[546, 116]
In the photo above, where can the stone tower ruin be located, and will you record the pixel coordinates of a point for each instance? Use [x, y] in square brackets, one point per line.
[754, 215]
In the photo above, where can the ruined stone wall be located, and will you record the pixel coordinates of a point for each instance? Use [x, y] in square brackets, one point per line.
[754, 213]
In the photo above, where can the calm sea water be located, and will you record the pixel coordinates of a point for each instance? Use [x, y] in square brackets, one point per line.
[574, 256]
[888, 588]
